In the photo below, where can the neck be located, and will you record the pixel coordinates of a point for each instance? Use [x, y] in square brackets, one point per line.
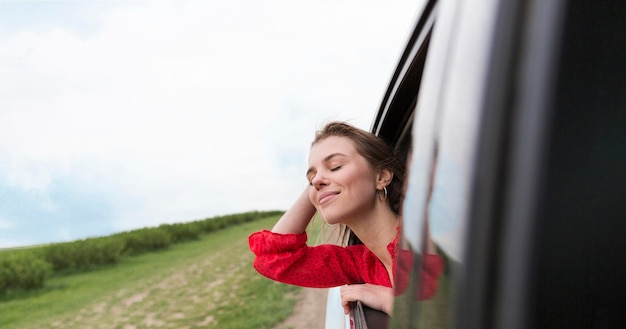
[376, 231]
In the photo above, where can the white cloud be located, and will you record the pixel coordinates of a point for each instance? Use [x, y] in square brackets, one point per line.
[183, 110]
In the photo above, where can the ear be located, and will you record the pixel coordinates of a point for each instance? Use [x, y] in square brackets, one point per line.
[383, 179]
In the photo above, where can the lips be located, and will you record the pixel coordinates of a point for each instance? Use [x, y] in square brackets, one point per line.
[326, 197]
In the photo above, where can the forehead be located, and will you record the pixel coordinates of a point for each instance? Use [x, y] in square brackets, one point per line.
[331, 145]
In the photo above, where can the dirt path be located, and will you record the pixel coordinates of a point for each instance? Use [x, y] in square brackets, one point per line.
[309, 312]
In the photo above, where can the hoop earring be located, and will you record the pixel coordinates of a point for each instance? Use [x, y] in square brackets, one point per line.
[383, 196]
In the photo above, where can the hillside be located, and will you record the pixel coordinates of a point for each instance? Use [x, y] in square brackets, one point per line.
[207, 283]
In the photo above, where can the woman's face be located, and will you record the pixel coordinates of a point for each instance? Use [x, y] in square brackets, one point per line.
[343, 182]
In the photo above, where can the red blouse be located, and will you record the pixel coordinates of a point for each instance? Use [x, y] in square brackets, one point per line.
[287, 258]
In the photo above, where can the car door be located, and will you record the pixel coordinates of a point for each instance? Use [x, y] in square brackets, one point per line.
[516, 149]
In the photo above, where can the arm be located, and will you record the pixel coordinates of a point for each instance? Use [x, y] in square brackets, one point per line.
[286, 258]
[296, 218]
[283, 255]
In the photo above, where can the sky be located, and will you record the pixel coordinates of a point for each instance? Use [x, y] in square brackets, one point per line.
[116, 115]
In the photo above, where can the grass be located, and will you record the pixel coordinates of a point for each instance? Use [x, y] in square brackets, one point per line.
[208, 283]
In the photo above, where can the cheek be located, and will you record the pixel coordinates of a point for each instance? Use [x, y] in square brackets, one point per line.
[367, 190]
[362, 192]
[363, 182]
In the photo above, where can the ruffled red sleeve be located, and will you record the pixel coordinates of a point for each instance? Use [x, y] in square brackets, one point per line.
[287, 258]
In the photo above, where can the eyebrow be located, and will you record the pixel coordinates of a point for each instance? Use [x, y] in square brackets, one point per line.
[326, 159]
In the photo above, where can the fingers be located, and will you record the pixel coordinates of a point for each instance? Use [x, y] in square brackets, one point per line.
[346, 309]
[348, 296]
[346, 299]
[374, 296]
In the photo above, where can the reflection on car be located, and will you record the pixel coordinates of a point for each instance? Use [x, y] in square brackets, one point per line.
[511, 116]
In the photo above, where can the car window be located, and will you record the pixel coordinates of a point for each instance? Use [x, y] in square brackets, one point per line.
[440, 166]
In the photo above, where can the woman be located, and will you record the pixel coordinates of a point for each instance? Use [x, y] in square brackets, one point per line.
[355, 180]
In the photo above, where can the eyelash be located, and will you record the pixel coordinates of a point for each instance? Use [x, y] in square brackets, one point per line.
[331, 169]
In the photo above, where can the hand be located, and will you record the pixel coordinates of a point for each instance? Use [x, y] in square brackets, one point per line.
[375, 296]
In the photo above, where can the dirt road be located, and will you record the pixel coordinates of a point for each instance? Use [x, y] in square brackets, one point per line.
[309, 312]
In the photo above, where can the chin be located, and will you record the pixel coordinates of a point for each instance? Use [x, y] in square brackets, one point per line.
[330, 218]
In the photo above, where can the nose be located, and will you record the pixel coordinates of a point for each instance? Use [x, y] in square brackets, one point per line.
[319, 180]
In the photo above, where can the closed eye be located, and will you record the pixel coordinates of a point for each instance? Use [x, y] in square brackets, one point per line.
[335, 168]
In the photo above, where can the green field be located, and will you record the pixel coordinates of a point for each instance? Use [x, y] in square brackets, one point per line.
[208, 283]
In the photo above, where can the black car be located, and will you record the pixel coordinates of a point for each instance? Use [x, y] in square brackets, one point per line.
[512, 117]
